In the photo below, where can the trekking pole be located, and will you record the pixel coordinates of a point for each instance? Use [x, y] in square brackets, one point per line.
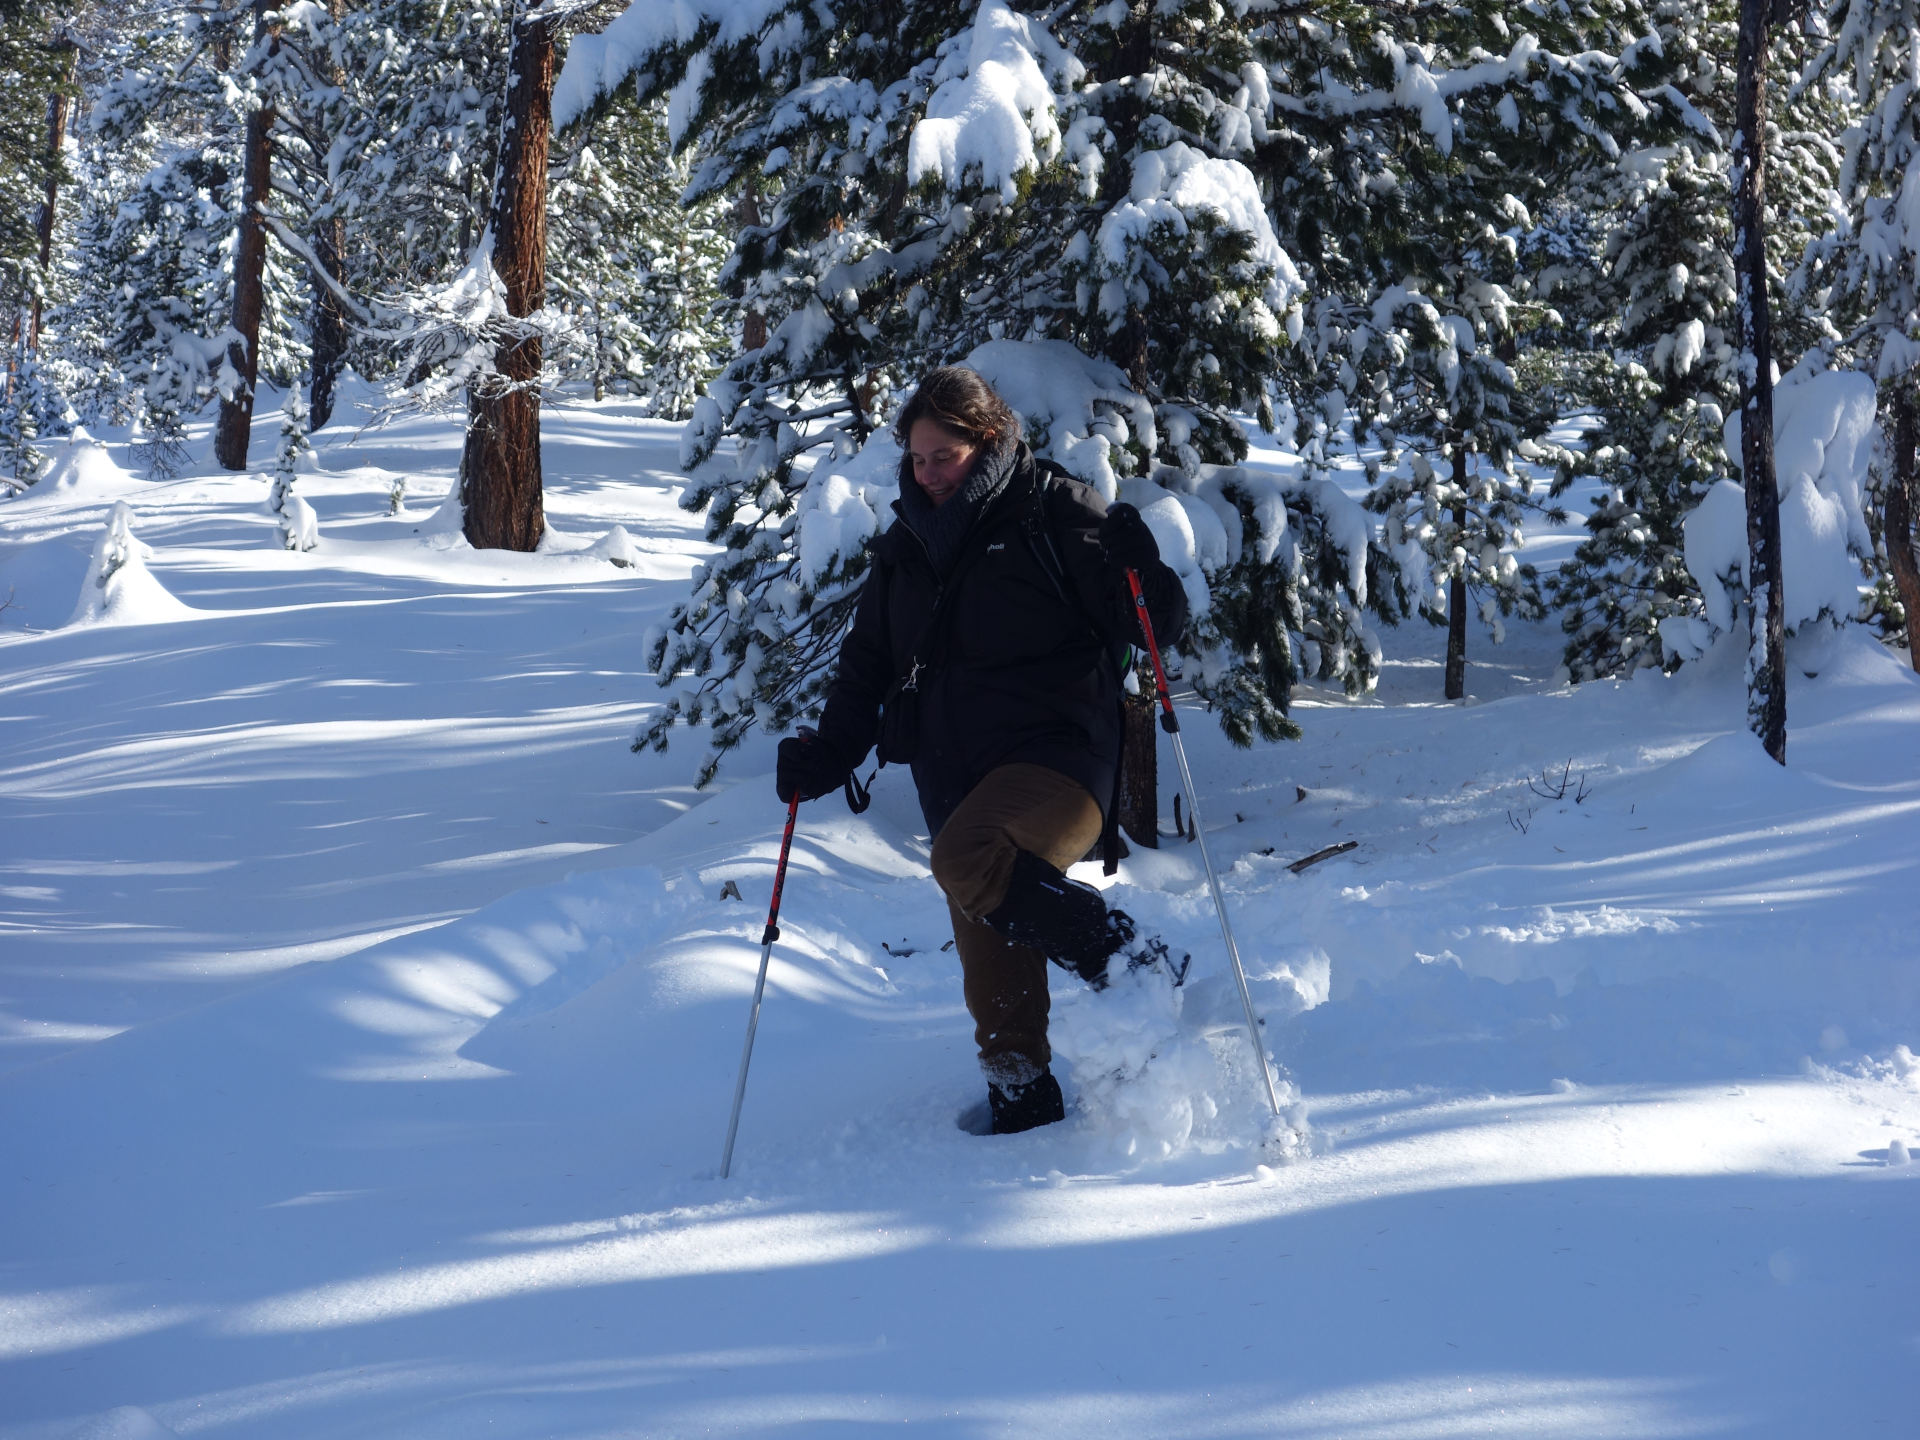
[771, 934]
[1170, 723]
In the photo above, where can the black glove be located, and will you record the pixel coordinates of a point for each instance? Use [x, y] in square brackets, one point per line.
[808, 768]
[1126, 541]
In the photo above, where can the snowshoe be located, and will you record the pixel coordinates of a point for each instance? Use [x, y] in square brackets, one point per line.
[1144, 950]
[1070, 924]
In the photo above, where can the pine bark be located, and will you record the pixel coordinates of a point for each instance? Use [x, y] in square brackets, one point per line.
[234, 429]
[57, 107]
[1766, 653]
[753, 329]
[1140, 771]
[329, 317]
[1897, 518]
[500, 467]
[1457, 590]
[329, 321]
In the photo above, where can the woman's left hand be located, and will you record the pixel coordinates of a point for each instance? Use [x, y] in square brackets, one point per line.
[803, 765]
[1126, 541]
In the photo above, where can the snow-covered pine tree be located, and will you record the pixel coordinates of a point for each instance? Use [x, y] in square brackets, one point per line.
[160, 263]
[1408, 158]
[1661, 377]
[1869, 261]
[299, 528]
[164, 257]
[32, 73]
[240, 363]
[315, 143]
[638, 269]
[26, 399]
[418, 143]
[931, 181]
[1658, 379]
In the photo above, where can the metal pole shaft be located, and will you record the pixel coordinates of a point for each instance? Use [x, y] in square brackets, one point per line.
[759, 986]
[1226, 929]
[1170, 722]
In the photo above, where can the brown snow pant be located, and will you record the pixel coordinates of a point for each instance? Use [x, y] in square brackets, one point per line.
[1016, 807]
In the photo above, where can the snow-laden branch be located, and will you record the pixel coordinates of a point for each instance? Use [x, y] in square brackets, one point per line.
[289, 238]
[598, 64]
[1417, 87]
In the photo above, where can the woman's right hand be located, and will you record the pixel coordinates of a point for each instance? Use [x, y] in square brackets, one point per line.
[804, 766]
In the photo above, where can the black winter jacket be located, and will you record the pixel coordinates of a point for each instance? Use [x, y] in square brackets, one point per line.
[1027, 673]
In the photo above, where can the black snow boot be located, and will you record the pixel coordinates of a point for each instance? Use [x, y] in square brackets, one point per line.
[1070, 924]
[1026, 1107]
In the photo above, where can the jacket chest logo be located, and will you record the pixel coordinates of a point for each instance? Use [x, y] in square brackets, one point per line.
[996, 545]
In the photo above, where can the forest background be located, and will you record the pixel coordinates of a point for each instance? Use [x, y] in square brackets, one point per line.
[1422, 236]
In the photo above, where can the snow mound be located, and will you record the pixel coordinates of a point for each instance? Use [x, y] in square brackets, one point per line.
[299, 526]
[1158, 1069]
[446, 527]
[1142, 1082]
[616, 547]
[83, 467]
[119, 589]
[608, 920]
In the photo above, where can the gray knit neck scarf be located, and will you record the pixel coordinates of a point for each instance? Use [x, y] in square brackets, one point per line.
[943, 527]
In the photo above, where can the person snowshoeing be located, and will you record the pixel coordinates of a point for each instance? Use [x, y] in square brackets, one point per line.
[985, 652]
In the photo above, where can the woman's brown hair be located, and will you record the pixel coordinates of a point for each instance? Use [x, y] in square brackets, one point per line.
[959, 400]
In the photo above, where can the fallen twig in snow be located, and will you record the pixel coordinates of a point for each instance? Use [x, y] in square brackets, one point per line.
[1327, 854]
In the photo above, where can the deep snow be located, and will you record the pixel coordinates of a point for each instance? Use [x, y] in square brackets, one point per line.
[1604, 1102]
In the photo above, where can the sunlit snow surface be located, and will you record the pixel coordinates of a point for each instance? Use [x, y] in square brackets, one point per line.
[1607, 1101]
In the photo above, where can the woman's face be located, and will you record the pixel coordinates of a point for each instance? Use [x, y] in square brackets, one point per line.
[941, 459]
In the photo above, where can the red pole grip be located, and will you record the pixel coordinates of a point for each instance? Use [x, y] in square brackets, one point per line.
[772, 932]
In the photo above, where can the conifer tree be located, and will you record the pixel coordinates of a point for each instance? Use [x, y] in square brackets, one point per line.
[500, 480]
[931, 182]
[163, 146]
[1660, 380]
[33, 80]
[240, 371]
[1664, 375]
[1869, 261]
[1410, 157]
[638, 270]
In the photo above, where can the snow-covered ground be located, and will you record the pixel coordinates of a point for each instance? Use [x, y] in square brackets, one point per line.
[370, 1017]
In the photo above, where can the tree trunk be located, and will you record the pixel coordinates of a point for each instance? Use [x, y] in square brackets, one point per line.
[1140, 771]
[1766, 647]
[1897, 519]
[329, 318]
[56, 143]
[235, 427]
[753, 330]
[1457, 591]
[1128, 344]
[500, 467]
